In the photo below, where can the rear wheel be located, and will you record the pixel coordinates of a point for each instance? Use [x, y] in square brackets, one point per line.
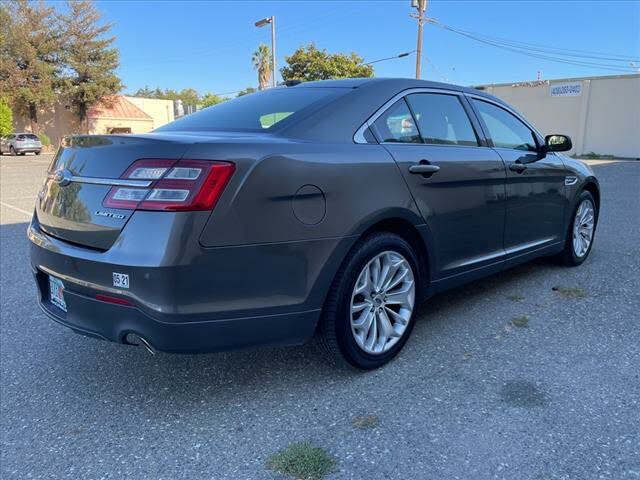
[581, 231]
[12, 151]
[370, 311]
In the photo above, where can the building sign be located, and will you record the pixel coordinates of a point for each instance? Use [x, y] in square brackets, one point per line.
[566, 89]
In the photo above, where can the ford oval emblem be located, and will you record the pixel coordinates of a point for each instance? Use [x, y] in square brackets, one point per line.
[62, 177]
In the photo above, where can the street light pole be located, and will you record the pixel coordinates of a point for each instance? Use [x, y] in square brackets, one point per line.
[421, 6]
[262, 23]
[273, 50]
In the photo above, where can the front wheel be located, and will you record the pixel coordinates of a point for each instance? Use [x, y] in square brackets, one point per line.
[581, 231]
[370, 310]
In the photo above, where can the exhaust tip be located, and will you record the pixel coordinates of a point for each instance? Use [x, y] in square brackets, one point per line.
[135, 339]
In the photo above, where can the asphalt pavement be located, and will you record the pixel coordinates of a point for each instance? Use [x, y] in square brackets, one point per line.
[505, 378]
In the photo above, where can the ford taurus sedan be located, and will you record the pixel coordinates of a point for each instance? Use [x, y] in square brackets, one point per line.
[328, 209]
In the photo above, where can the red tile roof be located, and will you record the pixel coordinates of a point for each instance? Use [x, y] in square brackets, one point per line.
[117, 107]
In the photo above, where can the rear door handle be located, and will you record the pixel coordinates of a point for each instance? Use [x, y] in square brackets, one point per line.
[424, 169]
[517, 167]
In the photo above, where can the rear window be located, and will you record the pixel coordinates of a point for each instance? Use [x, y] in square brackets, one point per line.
[28, 136]
[255, 112]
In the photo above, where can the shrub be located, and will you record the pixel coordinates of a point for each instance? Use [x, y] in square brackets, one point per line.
[44, 139]
[6, 119]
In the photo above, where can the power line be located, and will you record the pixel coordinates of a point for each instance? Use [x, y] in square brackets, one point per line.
[551, 49]
[533, 53]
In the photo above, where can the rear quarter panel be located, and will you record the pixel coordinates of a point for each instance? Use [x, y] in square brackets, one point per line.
[344, 188]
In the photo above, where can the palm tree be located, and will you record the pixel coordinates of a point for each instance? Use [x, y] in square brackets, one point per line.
[261, 60]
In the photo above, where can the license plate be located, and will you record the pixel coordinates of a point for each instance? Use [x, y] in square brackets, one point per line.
[56, 293]
[120, 280]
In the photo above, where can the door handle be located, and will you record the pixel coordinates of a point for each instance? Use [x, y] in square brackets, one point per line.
[517, 167]
[424, 169]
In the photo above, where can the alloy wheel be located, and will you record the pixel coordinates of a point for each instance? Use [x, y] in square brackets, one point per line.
[583, 226]
[382, 302]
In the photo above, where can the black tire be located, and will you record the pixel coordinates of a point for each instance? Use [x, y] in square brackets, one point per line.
[12, 151]
[334, 336]
[38, 152]
[568, 256]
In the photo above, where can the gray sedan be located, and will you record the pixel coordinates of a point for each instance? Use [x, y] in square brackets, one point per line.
[326, 209]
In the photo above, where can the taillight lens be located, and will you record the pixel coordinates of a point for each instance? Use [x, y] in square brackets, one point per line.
[183, 185]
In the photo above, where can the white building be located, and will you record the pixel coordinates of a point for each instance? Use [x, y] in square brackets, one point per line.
[600, 114]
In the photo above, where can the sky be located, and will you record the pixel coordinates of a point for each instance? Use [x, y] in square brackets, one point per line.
[208, 45]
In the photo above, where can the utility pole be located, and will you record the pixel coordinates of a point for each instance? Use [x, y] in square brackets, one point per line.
[261, 23]
[421, 6]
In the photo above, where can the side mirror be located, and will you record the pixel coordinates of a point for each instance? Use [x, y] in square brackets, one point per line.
[557, 143]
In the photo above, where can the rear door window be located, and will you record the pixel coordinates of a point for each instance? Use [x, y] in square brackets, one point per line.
[396, 125]
[442, 120]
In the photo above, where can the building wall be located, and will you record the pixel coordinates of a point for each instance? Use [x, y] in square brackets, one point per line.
[104, 125]
[55, 123]
[603, 118]
[160, 110]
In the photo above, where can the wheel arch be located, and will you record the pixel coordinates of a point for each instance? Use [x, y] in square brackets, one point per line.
[591, 186]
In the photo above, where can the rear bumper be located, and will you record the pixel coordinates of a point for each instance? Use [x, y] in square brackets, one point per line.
[28, 150]
[195, 300]
[90, 317]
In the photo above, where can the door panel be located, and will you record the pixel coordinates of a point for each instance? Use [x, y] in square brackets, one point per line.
[462, 203]
[535, 201]
[535, 186]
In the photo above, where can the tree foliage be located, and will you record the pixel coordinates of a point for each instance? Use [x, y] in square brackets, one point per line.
[310, 63]
[30, 56]
[211, 99]
[90, 60]
[6, 119]
[262, 62]
[189, 96]
[246, 91]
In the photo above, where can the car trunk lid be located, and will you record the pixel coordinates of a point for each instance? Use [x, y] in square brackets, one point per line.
[70, 204]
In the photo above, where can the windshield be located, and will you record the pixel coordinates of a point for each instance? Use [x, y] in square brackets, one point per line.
[254, 112]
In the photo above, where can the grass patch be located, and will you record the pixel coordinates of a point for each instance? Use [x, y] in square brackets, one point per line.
[595, 156]
[516, 297]
[521, 322]
[570, 292]
[366, 421]
[302, 461]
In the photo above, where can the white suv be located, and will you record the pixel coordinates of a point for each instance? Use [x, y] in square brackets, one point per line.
[20, 143]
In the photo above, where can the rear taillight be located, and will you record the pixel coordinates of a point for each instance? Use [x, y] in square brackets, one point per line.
[174, 185]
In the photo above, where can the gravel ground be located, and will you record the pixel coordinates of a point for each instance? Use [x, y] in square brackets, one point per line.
[471, 396]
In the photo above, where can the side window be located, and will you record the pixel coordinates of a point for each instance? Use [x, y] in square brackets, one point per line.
[505, 130]
[442, 120]
[397, 125]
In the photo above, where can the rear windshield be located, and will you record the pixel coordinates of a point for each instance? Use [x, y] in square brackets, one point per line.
[29, 136]
[254, 112]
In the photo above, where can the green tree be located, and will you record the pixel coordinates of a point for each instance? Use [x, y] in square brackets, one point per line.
[261, 60]
[90, 60]
[211, 99]
[246, 91]
[310, 63]
[30, 48]
[6, 119]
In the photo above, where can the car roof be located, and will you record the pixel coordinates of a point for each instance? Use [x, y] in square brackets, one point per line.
[398, 84]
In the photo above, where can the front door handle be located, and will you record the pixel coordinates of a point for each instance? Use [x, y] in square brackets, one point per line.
[424, 169]
[517, 167]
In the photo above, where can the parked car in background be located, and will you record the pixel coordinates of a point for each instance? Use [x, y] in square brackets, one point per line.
[20, 143]
[328, 208]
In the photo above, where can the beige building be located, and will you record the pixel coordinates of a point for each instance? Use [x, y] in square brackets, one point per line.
[119, 115]
[600, 114]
